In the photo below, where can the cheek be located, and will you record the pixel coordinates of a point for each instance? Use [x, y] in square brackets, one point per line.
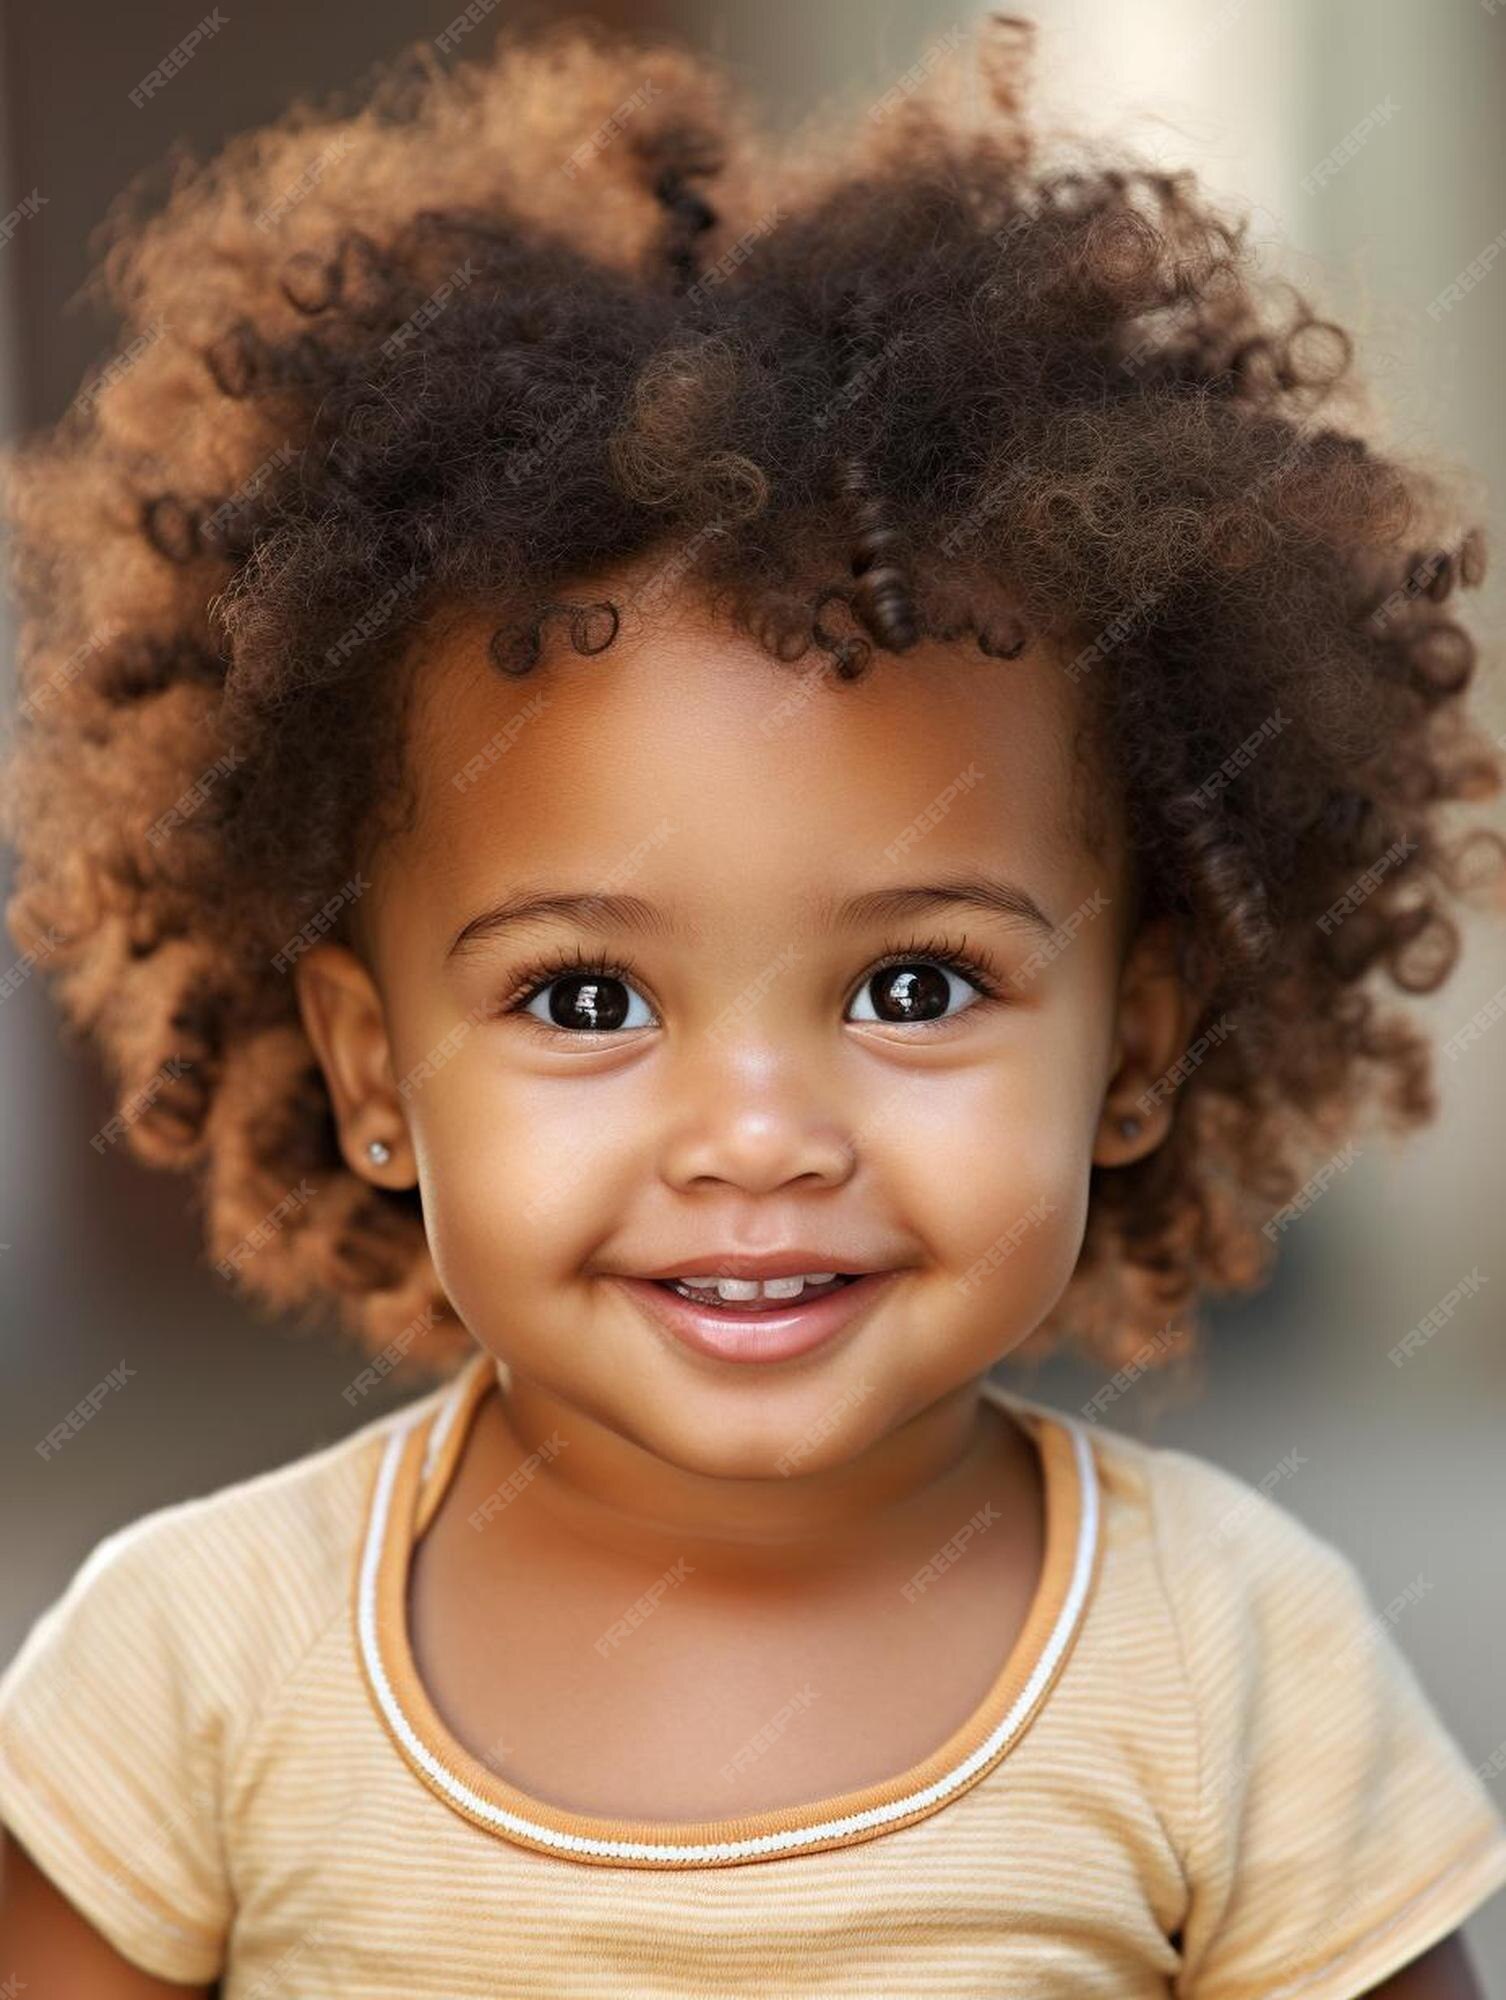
[516, 1173]
[997, 1175]
[1001, 1162]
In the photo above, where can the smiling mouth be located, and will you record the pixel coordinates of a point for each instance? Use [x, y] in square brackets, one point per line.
[761, 1329]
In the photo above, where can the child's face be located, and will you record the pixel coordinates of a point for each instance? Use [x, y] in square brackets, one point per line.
[763, 1089]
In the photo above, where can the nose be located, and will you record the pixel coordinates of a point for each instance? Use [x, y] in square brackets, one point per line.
[757, 1148]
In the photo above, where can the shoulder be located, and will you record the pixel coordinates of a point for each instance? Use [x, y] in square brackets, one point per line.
[1196, 1530]
[226, 1589]
[125, 1712]
[1214, 1532]
[1339, 1828]
[1254, 1601]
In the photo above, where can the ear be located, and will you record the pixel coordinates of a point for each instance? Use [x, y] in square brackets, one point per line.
[1157, 1012]
[343, 1018]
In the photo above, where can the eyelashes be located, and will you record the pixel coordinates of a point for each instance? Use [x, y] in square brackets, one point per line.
[954, 954]
[543, 973]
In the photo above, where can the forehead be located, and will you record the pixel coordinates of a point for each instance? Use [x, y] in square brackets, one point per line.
[684, 763]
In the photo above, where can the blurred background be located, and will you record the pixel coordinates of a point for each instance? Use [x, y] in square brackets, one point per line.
[1366, 139]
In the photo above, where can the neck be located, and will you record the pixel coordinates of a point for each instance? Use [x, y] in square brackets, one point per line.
[909, 1490]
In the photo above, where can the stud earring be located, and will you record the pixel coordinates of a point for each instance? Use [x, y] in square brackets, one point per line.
[1129, 1126]
[379, 1151]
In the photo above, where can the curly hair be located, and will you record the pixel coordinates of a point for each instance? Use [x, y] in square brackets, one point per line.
[567, 306]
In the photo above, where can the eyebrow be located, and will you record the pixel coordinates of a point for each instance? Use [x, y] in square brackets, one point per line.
[608, 912]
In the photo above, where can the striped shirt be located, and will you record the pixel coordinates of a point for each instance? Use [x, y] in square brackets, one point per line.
[1204, 1769]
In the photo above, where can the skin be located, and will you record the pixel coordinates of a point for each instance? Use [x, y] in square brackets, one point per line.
[747, 1104]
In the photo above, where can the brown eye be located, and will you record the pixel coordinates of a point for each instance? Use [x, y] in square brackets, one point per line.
[912, 990]
[592, 1002]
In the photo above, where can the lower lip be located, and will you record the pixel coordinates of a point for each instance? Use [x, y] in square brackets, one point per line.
[767, 1335]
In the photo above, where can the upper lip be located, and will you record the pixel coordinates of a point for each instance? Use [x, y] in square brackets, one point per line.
[767, 1264]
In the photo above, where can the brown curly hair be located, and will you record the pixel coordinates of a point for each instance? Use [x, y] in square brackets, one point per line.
[565, 306]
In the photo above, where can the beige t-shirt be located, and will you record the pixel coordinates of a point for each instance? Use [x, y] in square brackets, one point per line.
[1205, 1769]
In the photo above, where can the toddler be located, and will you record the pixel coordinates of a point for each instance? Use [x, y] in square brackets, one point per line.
[708, 785]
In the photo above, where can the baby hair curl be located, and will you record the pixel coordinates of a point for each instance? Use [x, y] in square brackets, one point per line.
[565, 306]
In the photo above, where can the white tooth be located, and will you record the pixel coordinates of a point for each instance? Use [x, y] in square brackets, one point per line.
[741, 1290]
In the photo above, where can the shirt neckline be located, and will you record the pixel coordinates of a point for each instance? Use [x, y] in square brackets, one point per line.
[416, 1466]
